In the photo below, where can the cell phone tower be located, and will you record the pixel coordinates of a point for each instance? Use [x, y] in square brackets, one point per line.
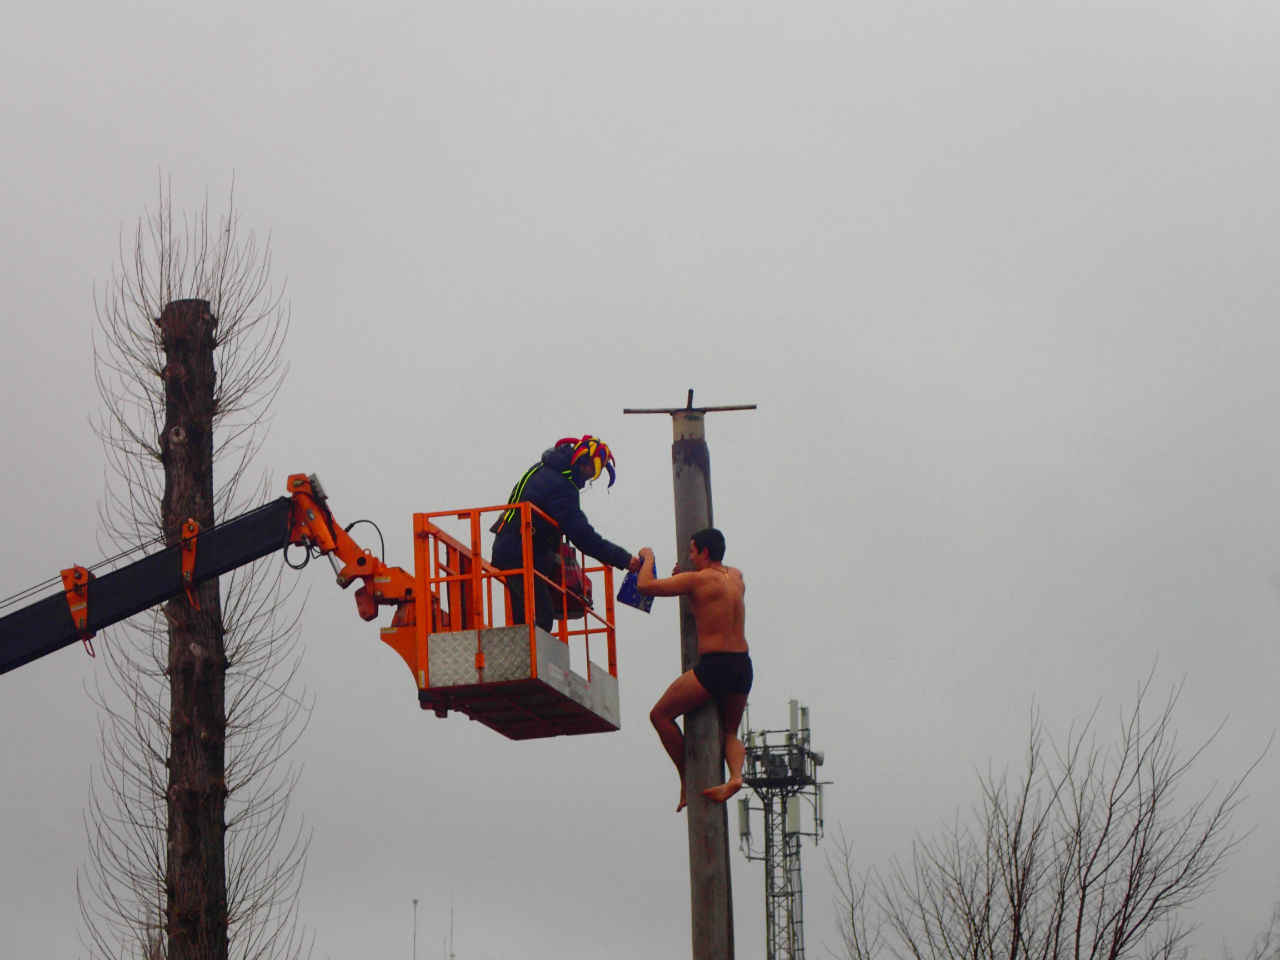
[782, 770]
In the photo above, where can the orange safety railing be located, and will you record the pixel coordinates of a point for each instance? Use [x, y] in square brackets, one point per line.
[458, 589]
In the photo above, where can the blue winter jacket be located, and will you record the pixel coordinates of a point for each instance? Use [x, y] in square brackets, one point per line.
[550, 486]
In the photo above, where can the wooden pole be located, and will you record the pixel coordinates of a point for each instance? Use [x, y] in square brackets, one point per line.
[710, 891]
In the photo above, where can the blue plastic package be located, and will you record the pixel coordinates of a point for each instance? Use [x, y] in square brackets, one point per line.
[629, 593]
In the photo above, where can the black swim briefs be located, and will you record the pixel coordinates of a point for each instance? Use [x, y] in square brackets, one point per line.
[725, 672]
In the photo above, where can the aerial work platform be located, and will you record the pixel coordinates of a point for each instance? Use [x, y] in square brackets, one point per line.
[452, 621]
[467, 656]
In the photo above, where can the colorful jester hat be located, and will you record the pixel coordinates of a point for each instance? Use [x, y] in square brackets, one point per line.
[596, 450]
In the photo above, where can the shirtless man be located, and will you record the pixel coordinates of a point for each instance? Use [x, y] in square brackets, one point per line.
[723, 672]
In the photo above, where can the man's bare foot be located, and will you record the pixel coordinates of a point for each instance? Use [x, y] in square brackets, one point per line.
[682, 803]
[723, 792]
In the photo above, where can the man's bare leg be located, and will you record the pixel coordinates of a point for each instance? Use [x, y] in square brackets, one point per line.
[684, 694]
[732, 706]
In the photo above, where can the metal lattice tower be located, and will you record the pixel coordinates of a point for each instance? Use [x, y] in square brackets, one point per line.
[783, 774]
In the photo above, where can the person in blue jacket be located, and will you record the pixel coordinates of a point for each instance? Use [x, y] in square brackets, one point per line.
[553, 485]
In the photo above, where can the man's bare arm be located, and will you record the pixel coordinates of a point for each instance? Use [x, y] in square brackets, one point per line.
[672, 586]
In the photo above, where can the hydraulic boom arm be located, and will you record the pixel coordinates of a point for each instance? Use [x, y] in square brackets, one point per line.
[88, 604]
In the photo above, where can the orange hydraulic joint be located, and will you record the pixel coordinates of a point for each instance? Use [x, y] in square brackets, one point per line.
[314, 527]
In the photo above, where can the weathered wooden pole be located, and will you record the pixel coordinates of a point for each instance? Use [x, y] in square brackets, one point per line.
[710, 892]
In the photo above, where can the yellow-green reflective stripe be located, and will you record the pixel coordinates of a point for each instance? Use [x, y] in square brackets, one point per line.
[516, 491]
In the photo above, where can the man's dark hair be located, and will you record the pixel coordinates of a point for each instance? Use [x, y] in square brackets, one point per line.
[710, 540]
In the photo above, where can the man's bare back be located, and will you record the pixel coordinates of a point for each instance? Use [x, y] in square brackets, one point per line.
[719, 609]
[716, 593]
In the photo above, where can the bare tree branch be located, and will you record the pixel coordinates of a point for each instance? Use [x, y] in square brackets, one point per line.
[1087, 855]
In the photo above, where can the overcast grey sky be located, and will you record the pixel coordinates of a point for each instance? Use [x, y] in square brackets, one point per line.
[1002, 278]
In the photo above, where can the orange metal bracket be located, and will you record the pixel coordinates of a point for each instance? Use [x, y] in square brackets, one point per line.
[75, 583]
[190, 534]
[313, 526]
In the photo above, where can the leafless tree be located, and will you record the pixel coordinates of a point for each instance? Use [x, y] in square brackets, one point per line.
[861, 932]
[1088, 854]
[1266, 945]
[126, 891]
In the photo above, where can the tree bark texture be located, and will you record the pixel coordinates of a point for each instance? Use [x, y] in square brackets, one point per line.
[195, 873]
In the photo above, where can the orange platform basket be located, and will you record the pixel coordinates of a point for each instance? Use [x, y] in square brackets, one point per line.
[468, 657]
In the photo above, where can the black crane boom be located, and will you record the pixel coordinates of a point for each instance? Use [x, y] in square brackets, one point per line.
[47, 625]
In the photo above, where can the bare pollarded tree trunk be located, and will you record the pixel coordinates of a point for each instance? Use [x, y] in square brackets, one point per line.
[195, 875]
[192, 853]
[1088, 854]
